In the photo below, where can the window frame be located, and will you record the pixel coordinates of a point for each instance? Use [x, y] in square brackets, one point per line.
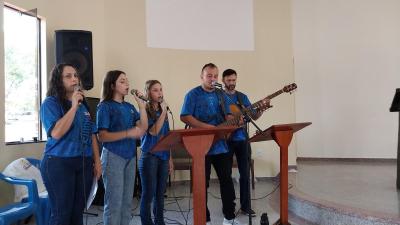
[40, 68]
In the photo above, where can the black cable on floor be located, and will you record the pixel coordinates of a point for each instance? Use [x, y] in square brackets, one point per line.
[258, 198]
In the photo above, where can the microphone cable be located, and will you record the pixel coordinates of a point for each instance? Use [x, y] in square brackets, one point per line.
[83, 161]
[172, 117]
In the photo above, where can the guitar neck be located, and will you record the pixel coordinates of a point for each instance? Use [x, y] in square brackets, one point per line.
[251, 110]
[258, 103]
[275, 94]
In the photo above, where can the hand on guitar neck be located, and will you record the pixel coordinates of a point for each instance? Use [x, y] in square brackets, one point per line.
[256, 109]
[264, 105]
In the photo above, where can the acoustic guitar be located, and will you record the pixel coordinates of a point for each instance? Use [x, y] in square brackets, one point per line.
[256, 107]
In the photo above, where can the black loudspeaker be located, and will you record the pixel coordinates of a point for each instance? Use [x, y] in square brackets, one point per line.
[395, 107]
[75, 47]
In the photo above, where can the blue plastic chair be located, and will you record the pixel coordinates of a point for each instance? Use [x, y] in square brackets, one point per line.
[44, 202]
[17, 211]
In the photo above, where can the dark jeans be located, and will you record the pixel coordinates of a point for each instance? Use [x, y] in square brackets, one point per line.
[242, 157]
[153, 174]
[68, 181]
[223, 167]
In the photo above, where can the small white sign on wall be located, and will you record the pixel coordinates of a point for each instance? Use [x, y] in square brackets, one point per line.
[200, 24]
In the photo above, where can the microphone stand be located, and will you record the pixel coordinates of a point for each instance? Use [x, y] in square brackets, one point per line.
[247, 119]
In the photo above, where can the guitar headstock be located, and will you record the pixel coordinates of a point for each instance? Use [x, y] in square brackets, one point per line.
[289, 88]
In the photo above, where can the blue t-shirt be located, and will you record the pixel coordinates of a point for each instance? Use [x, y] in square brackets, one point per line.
[148, 140]
[239, 134]
[77, 140]
[205, 107]
[115, 116]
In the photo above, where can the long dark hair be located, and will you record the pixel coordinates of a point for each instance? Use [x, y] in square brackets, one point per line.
[108, 83]
[151, 112]
[56, 85]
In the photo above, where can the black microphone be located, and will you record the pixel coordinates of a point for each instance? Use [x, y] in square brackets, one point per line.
[169, 109]
[217, 85]
[135, 91]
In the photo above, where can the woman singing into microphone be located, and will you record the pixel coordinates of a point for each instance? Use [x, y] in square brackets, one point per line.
[119, 125]
[71, 156]
[153, 167]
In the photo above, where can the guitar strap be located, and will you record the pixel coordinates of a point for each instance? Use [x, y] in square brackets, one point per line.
[221, 101]
[240, 97]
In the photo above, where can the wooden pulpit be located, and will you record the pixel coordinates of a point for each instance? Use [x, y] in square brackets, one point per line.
[282, 134]
[197, 142]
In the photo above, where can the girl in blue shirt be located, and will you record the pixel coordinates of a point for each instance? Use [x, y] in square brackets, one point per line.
[71, 156]
[119, 125]
[153, 166]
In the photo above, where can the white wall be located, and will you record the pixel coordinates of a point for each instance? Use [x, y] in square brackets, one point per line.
[261, 72]
[119, 42]
[347, 64]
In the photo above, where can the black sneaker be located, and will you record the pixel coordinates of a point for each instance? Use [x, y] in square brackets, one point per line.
[249, 212]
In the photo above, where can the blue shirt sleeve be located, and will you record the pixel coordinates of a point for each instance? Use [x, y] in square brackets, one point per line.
[189, 104]
[103, 116]
[50, 112]
[246, 101]
[136, 115]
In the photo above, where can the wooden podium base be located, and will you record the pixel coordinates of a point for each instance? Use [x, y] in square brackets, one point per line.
[282, 134]
[197, 142]
[278, 222]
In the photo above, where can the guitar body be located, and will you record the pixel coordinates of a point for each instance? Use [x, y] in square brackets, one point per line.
[235, 110]
[255, 107]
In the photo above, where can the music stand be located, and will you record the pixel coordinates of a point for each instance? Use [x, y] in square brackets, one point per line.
[282, 134]
[197, 142]
[395, 107]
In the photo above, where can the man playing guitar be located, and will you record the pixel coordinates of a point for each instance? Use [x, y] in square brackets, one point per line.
[237, 143]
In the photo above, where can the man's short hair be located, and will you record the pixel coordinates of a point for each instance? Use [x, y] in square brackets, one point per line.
[208, 65]
[228, 72]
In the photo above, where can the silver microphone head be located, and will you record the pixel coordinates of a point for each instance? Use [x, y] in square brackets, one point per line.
[215, 84]
[135, 91]
[77, 87]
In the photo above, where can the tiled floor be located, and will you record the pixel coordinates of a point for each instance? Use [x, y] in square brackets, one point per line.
[178, 201]
[369, 186]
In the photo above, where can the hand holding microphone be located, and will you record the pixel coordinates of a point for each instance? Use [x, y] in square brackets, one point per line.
[77, 96]
[140, 99]
[138, 94]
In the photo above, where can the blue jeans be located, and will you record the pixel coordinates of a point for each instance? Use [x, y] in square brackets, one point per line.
[153, 174]
[68, 181]
[119, 181]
